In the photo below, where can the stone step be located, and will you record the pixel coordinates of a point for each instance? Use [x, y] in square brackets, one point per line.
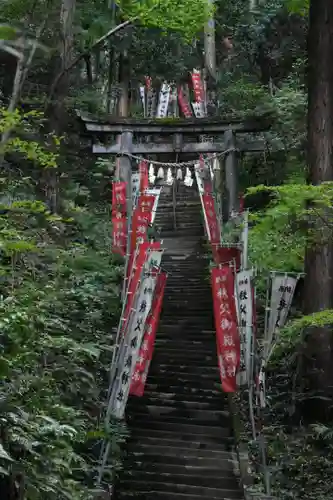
[156, 448]
[179, 417]
[183, 390]
[175, 457]
[186, 477]
[181, 428]
[176, 488]
[166, 400]
[175, 360]
[158, 495]
[183, 437]
[185, 369]
[162, 440]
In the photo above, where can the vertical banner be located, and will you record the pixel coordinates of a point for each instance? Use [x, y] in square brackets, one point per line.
[119, 234]
[156, 193]
[119, 220]
[143, 99]
[227, 339]
[227, 255]
[282, 292]
[133, 339]
[244, 296]
[163, 101]
[184, 104]
[143, 172]
[140, 221]
[151, 102]
[213, 229]
[198, 109]
[135, 188]
[146, 204]
[198, 88]
[136, 266]
[119, 197]
[147, 347]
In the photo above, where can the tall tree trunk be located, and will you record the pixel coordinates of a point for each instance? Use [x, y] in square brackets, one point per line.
[124, 79]
[318, 294]
[58, 115]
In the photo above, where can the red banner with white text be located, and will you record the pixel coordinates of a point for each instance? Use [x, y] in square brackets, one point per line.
[147, 347]
[211, 218]
[184, 104]
[198, 88]
[227, 337]
[144, 179]
[146, 204]
[119, 221]
[227, 255]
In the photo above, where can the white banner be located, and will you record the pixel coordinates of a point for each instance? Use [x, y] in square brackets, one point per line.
[163, 101]
[134, 335]
[244, 303]
[282, 292]
[197, 171]
[143, 99]
[151, 102]
[198, 109]
[135, 188]
[155, 192]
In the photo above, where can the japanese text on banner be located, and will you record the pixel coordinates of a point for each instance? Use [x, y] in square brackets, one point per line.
[227, 338]
[147, 347]
[244, 297]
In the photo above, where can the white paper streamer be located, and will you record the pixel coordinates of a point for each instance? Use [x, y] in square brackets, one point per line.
[160, 173]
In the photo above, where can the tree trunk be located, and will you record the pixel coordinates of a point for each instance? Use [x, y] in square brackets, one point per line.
[58, 115]
[318, 293]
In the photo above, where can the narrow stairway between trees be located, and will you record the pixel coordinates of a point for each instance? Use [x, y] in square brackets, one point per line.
[180, 445]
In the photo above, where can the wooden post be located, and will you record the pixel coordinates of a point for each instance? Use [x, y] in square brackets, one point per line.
[125, 174]
[231, 174]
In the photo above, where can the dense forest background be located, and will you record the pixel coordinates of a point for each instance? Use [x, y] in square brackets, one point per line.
[60, 283]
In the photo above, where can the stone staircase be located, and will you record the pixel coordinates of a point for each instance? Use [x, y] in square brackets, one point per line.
[180, 445]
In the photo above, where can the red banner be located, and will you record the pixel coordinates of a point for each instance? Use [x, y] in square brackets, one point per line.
[119, 230]
[135, 273]
[119, 197]
[147, 347]
[183, 104]
[227, 255]
[227, 337]
[197, 86]
[146, 204]
[144, 180]
[211, 217]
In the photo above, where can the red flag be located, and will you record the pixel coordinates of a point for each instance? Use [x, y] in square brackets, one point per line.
[144, 180]
[183, 104]
[197, 86]
[146, 203]
[227, 255]
[211, 217]
[227, 337]
[147, 347]
[119, 238]
[119, 197]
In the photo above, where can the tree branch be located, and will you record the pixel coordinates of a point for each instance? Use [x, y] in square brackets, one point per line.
[85, 54]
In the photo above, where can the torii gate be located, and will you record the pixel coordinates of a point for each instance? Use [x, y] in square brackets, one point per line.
[127, 136]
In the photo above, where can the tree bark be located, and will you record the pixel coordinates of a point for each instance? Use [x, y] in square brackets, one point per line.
[58, 114]
[318, 293]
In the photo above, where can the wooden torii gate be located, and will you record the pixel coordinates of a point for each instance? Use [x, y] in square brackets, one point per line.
[129, 136]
